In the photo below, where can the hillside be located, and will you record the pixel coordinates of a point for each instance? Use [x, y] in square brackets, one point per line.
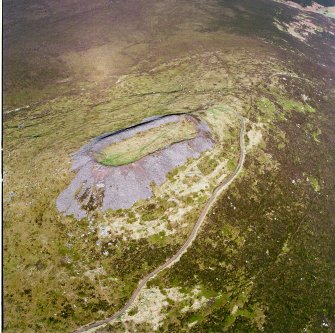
[174, 159]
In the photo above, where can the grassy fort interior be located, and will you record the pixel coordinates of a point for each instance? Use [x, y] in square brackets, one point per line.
[145, 143]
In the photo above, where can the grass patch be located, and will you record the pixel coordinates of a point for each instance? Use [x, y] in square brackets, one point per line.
[208, 165]
[145, 143]
[314, 183]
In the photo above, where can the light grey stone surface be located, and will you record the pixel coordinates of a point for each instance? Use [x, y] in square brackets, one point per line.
[96, 186]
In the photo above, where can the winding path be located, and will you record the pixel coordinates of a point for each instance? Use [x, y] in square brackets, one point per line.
[226, 182]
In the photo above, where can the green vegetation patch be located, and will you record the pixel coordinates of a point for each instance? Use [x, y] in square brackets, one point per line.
[145, 143]
[267, 107]
[277, 106]
[208, 165]
[314, 183]
[290, 104]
